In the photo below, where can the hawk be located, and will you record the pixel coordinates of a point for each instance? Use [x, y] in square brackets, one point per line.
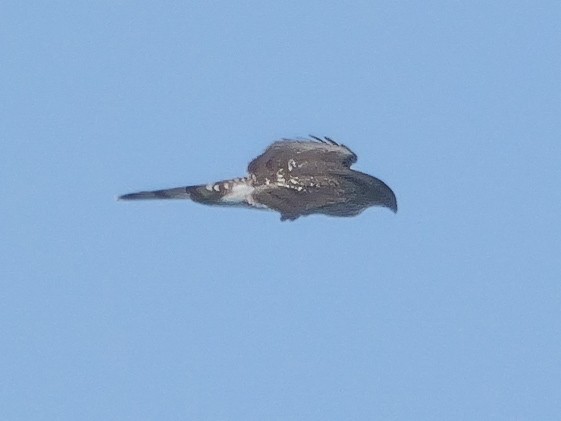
[295, 177]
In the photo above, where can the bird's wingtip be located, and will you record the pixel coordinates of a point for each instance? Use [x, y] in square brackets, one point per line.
[392, 205]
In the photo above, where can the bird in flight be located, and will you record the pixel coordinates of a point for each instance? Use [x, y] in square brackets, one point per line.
[295, 177]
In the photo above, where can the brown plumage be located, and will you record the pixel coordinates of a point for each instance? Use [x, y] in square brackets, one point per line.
[295, 178]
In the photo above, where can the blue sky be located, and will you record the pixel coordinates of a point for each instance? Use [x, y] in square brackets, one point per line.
[171, 310]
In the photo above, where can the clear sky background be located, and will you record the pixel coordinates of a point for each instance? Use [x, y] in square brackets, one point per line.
[450, 309]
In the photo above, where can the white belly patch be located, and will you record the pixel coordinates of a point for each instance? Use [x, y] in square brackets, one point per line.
[238, 193]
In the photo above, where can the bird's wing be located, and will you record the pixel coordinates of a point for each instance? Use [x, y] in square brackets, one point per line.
[304, 156]
[293, 203]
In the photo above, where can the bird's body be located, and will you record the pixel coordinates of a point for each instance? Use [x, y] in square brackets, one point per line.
[295, 178]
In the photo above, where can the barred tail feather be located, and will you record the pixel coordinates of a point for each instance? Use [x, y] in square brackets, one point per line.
[233, 192]
[174, 193]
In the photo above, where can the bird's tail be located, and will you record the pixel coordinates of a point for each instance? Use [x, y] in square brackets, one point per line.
[174, 193]
[224, 193]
